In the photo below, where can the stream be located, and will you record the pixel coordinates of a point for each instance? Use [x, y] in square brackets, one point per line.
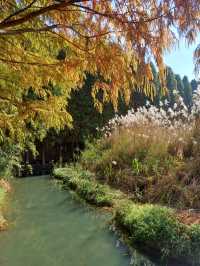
[48, 227]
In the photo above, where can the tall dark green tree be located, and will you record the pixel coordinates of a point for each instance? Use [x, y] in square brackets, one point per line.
[187, 91]
[86, 118]
[171, 86]
[194, 85]
[180, 86]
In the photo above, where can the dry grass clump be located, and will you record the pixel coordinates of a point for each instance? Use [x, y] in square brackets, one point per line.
[143, 162]
[152, 154]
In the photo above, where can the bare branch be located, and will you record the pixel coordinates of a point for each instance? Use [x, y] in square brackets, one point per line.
[34, 14]
[26, 30]
[30, 63]
[19, 11]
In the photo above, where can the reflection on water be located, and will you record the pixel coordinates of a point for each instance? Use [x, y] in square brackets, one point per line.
[49, 228]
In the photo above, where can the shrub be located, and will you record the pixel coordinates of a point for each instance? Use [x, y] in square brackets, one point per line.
[9, 159]
[84, 184]
[194, 234]
[158, 228]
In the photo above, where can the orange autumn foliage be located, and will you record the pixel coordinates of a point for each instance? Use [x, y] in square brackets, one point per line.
[115, 39]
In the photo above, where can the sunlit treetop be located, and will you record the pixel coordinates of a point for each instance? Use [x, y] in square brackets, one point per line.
[116, 40]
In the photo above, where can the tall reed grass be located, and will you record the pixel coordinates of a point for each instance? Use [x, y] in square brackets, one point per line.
[152, 153]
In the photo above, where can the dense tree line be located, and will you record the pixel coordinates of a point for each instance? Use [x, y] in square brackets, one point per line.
[175, 85]
[114, 39]
[87, 118]
[182, 86]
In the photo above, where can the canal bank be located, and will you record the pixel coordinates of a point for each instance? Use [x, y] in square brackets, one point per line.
[149, 227]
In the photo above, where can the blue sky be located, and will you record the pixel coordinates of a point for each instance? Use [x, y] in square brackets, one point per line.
[181, 60]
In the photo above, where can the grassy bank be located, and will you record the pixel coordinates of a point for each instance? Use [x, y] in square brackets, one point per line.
[152, 226]
[3, 192]
[2, 195]
[84, 183]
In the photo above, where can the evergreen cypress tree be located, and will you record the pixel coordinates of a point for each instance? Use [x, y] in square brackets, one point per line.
[187, 91]
[171, 86]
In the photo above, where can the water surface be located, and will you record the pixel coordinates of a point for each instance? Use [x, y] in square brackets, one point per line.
[48, 227]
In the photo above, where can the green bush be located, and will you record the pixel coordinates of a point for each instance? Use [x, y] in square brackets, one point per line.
[66, 173]
[151, 226]
[9, 159]
[158, 228]
[93, 153]
[85, 185]
[194, 234]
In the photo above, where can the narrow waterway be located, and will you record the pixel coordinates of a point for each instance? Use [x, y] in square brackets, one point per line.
[48, 227]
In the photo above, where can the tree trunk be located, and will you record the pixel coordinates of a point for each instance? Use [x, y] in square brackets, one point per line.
[60, 156]
[43, 155]
[27, 157]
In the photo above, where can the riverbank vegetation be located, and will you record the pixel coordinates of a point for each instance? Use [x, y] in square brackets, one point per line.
[145, 225]
[5, 188]
[3, 223]
[151, 153]
[85, 185]
[145, 166]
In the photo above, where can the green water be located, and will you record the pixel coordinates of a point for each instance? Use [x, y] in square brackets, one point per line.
[50, 228]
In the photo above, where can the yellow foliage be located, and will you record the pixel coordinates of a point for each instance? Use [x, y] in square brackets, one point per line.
[115, 40]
